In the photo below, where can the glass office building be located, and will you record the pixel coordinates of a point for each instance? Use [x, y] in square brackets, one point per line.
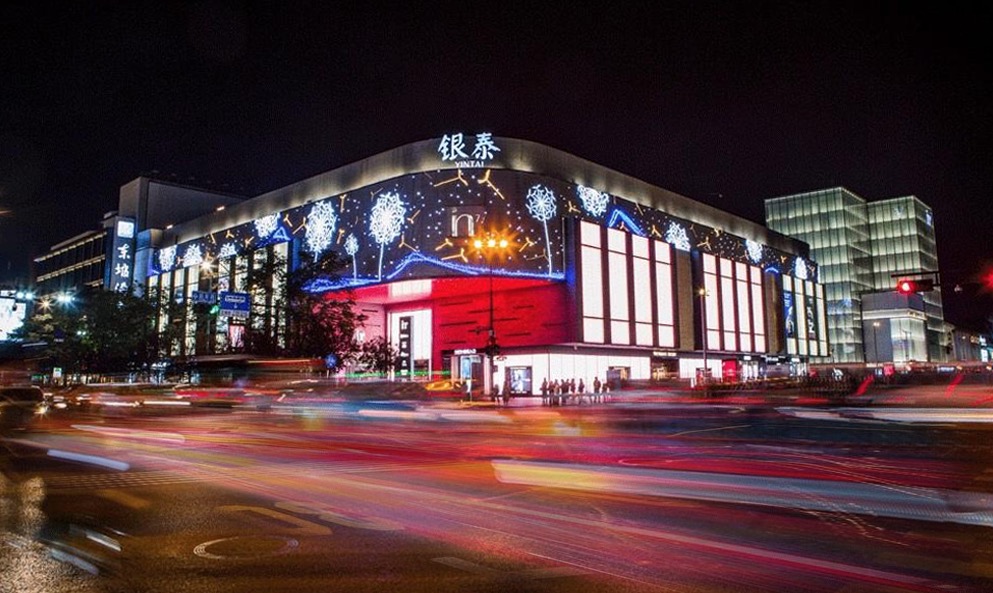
[833, 222]
[903, 243]
[864, 248]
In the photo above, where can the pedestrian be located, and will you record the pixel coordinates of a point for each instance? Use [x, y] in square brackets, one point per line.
[544, 391]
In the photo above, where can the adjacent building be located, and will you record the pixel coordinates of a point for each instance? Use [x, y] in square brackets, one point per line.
[105, 256]
[863, 249]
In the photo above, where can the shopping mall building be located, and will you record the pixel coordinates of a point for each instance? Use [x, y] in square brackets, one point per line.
[575, 270]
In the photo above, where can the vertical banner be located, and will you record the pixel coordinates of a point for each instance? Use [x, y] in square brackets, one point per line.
[120, 276]
[406, 363]
[789, 314]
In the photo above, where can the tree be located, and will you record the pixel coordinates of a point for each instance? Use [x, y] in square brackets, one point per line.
[117, 332]
[265, 276]
[320, 324]
[53, 332]
[167, 325]
[100, 332]
[290, 317]
[379, 355]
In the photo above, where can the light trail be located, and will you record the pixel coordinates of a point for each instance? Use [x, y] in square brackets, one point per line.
[922, 504]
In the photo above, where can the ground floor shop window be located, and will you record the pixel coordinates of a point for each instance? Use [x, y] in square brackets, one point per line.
[519, 380]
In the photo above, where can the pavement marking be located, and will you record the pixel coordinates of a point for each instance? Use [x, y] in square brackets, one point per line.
[288, 544]
[685, 432]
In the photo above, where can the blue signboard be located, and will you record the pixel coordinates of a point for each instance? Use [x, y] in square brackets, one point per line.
[200, 296]
[234, 304]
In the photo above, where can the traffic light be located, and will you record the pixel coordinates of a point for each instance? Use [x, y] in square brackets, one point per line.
[492, 349]
[912, 286]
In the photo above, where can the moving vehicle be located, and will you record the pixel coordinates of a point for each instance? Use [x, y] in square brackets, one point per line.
[19, 405]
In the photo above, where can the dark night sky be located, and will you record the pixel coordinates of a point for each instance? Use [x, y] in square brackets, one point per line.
[727, 103]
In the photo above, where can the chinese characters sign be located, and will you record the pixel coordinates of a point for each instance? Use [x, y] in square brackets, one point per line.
[122, 257]
[454, 148]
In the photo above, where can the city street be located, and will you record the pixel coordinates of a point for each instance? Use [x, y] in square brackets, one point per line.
[619, 497]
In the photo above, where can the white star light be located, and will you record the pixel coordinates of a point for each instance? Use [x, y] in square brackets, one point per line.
[351, 245]
[167, 258]
[227, 250]
[321, 224]
[386, 218]
[386, 221]
[266, 226]
[754, 249]
[541, 205]
[594, 201]
[192, 256]
[676, 236]
[800, 269]
[351, 248]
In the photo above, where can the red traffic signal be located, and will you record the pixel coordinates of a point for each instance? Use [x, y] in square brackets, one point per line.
[912, 286]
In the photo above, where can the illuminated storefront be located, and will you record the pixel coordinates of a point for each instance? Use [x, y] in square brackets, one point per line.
[577, 272]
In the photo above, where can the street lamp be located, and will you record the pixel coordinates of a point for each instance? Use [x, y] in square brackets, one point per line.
[703, 293]
[487, 246]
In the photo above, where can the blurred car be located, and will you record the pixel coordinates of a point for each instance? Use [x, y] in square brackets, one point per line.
[116, 398]
[20, 405]
[227, 397]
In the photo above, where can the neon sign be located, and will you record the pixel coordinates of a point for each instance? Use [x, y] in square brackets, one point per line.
[453, 149]
[123, 256]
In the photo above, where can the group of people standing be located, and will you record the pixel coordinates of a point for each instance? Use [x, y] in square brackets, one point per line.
[558, 392]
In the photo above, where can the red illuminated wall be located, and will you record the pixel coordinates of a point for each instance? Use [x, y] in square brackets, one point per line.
[533, 316]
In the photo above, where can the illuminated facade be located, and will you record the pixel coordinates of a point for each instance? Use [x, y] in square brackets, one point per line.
[601, 277]
[72, 264]
[106, 257]
[903, 242]
[862, 249]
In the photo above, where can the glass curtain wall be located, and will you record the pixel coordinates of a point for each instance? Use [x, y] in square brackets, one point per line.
[903, 242]
[834, 223]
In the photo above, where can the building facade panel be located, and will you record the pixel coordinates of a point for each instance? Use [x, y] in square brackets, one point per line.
[587, 270]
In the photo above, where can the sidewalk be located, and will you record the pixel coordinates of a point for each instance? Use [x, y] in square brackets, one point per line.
[924, 396]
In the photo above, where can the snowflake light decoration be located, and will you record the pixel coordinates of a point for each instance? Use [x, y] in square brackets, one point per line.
[541, 202]
[594, 201]
[227, 250]
[676, 236]
[800, 269]
[541, 205]
[386, 221]
[351, 248]
[266, 226]
[167, 258]
[321, 224]
[192, 256]
[754, 249]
